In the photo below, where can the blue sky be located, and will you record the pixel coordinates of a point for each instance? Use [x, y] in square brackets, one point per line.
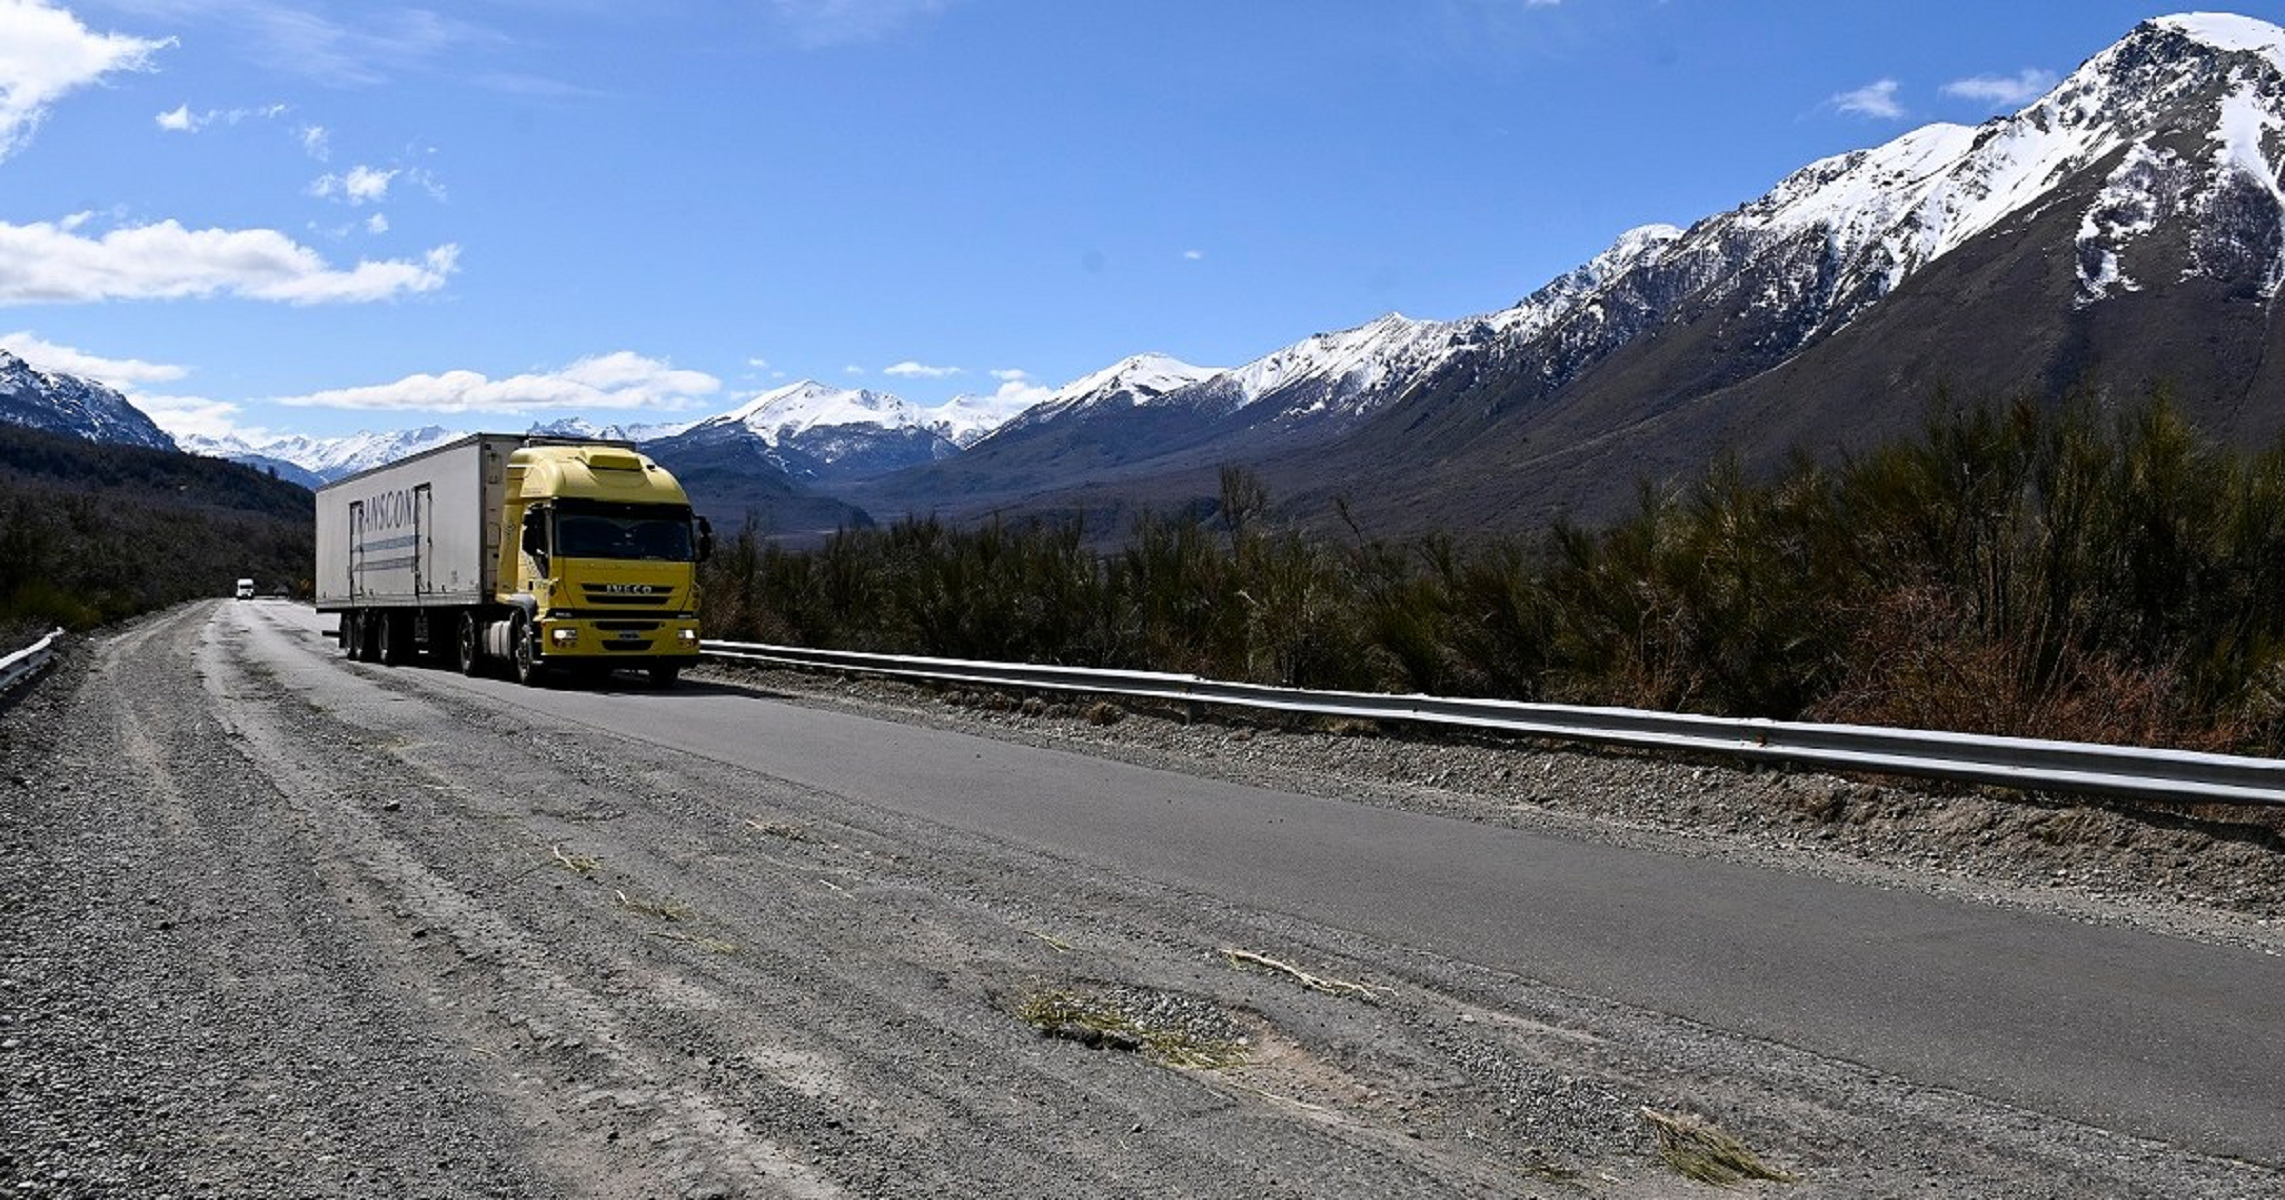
[311, 216]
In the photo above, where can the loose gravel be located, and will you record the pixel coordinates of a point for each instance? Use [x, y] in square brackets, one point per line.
[274, 925]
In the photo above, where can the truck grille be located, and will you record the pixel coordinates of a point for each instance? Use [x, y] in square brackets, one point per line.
[597, 594]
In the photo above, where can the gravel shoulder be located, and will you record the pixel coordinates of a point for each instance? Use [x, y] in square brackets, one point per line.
[277, 925]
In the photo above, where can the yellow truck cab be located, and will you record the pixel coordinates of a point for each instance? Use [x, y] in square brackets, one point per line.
[604, 552]
[546, 553]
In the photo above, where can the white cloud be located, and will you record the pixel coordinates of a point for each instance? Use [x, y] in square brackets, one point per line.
[182, 120]
[45, 54]
[820, 23]
[44, 263]
[361, 185]
[2002, 91]
[350, 46]
[378, 223]
[1193, 255]
[759, 364]
[621, 380]
[1021, 390]
[316, 141]
[116, 372]
[1017, 388]
[194, 416]
[909, 369]
[1876, 100]
[852, 369]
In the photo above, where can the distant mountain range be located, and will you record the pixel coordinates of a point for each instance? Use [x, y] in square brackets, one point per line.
[2125, 230]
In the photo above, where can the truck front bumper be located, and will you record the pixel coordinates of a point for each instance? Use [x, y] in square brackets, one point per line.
[636, 641]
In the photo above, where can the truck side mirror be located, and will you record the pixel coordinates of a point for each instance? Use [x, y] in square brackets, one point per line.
[705, 539]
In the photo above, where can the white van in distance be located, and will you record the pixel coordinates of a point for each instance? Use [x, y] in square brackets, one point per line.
[245, 589]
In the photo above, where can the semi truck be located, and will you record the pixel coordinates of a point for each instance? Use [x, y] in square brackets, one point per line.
[550, 554]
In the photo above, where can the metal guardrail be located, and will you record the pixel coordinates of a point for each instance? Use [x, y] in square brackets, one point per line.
[2026, 763]
[24, 663]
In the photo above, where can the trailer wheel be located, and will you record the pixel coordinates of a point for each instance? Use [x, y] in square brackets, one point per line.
[368, 637]
[523, 640]
[468, 645]
[390, 636]
[348, 636]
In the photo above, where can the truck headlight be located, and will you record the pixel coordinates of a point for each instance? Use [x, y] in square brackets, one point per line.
[688, 637]
[563, 636]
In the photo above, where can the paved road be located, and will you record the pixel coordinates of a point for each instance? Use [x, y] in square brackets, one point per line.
[2141, 1034]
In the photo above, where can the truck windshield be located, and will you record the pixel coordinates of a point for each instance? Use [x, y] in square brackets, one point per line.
[585, 529]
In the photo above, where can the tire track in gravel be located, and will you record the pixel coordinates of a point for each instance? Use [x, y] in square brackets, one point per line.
[1473, 1084]
[212, 998]
[577, 1075]
[921, 1055]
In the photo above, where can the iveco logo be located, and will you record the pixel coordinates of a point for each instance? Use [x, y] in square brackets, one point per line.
[630, 589]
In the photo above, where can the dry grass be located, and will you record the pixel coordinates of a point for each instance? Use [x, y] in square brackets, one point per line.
[583, 864]
[1103, 712]
[781, 830]
[1700, 1150]
[1371, 993]
[667, 910]
[711, 945]
[1099, 1022]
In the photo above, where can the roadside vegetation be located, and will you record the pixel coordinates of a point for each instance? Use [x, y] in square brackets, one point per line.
[91, 533]
[2024, 569]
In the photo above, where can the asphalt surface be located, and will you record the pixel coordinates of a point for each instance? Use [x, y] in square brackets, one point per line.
[2142, 1034]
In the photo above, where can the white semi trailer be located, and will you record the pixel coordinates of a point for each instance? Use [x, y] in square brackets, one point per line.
[544, 552]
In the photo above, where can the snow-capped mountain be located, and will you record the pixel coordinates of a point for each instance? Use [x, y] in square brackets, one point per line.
[1133, 382]
[814, 432]
[323, 460]
[67, 404]
[581, 427]
[2129, 225]
[967, 419]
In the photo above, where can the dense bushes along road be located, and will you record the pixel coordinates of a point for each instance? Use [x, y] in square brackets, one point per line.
[2020, 569]
[2016, 569]
[91, 533]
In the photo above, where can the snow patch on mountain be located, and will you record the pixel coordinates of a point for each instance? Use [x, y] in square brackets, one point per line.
[328, 458]
[2229, 32]
[581, 427]
[1136, 381]
[967, 419]
[2135, 200]
[786, 412]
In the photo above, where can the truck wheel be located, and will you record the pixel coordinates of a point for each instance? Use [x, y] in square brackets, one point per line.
[348, 635]
[663, 674]
[523, 640]
[389, 639]
[468, 646]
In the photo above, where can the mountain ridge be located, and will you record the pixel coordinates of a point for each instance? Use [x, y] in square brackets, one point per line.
[2126, 228]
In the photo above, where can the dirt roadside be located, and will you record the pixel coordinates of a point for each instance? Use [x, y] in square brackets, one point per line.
[279, 926]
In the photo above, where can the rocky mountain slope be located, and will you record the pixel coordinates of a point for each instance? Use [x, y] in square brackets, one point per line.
[67, 404]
